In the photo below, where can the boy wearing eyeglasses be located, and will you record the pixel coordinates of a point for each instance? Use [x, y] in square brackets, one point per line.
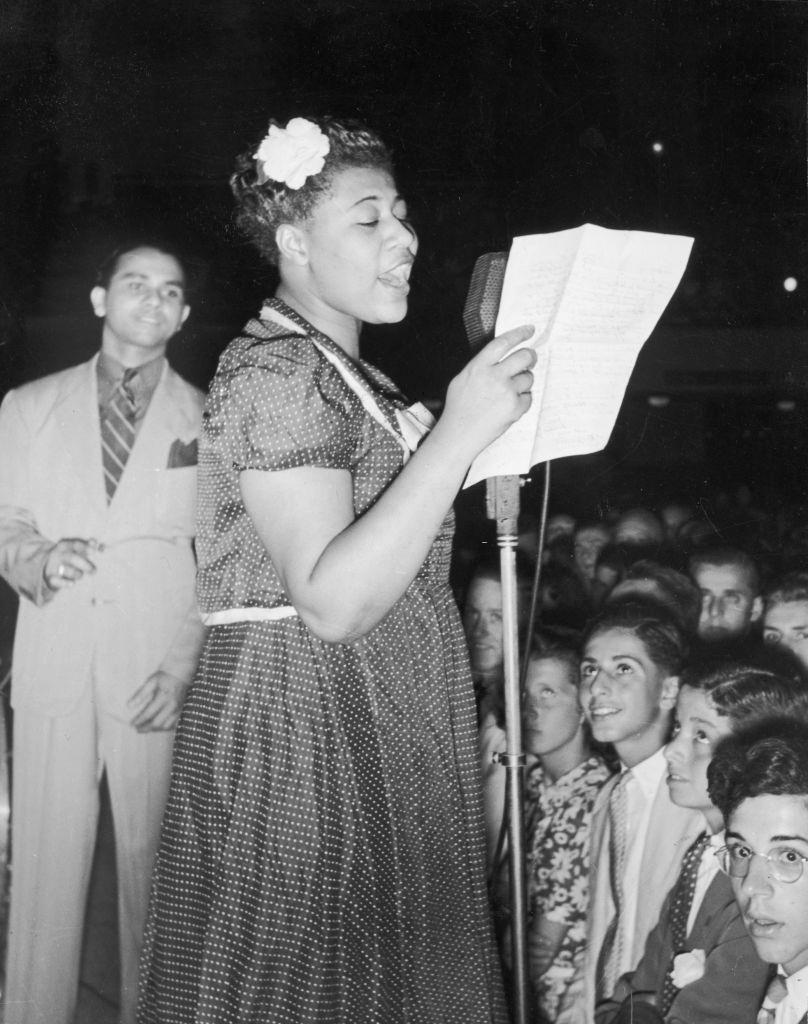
[760, 782]
[699, 962]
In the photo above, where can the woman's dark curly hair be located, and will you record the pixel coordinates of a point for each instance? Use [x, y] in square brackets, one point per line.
[745, 692]
[262, 206]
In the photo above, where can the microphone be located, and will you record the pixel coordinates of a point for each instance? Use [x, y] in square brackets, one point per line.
[480, 319]
[482, 300]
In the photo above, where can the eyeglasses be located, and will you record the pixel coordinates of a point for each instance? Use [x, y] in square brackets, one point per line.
[785, 864]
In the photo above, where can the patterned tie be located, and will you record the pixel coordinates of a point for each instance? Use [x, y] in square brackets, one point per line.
[609, 958]
[775, 993]
[118, 432]
[680, 910]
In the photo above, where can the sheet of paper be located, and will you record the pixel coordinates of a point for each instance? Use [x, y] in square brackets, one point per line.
[594, 296]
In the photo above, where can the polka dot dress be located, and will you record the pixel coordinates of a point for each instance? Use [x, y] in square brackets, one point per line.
[322, 854]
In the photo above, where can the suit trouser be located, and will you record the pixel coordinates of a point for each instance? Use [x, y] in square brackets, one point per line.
[57, 768]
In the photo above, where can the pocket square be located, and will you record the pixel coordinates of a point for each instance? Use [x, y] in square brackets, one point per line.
[181, 455]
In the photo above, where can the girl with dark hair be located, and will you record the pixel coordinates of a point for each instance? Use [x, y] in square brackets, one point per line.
[322, 855]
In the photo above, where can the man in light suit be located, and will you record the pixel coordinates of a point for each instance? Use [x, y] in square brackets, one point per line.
[670, 831]
[633, 653]
[97, 519]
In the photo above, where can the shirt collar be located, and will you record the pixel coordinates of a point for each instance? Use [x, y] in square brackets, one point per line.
[650, 772]
[797, 985]
[110, 373]
[717, 839]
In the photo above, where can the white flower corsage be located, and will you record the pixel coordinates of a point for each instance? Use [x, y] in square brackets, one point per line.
[293, 153]
[688, 967]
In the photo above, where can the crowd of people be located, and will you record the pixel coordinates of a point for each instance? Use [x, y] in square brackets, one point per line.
[237, 607]
[657, 637]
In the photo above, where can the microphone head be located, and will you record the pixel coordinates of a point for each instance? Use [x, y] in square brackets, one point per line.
[482, 300]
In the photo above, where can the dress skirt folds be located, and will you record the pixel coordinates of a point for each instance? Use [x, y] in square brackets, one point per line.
[322, 854]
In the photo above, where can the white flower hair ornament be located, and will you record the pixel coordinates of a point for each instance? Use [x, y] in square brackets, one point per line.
[292, 154]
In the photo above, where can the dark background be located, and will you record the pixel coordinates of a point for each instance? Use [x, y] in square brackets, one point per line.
[506, 117]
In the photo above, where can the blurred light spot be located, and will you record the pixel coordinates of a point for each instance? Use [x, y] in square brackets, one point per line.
[786, 405]
[790, 284]
[658, 401]
[658, 147]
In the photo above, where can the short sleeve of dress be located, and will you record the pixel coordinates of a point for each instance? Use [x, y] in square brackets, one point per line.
[284, 406]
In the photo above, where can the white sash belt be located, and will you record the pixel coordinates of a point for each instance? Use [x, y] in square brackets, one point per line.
[229, 615]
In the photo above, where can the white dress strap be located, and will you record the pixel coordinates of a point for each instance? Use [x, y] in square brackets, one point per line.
[227, 616]
[413, 422]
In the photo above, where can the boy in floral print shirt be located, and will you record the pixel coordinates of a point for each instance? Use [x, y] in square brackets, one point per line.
[560, 792]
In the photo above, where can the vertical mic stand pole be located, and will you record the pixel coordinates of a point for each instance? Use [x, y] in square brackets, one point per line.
[502, 505]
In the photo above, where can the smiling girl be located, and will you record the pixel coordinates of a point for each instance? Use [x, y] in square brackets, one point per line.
[322, 855]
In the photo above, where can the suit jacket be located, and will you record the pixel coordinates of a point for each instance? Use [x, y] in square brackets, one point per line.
[137, 613]
[734, 981]
[671, 830]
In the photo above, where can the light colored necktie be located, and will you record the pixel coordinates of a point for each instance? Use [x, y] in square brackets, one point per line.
[611, 951]
[775, 993]
[118, 432]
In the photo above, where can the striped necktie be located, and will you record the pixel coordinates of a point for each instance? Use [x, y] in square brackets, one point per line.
[680, 906]
[118, 432]
[611, 951]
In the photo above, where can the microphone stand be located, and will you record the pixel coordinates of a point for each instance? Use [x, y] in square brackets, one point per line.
[502, 506]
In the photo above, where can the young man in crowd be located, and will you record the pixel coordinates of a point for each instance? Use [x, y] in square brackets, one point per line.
[639, 528]
[674, 514]
[650, 580]
[632, 656]
[785, 615]
[759, 780]
[589, 540]
[730, 595]
[482, 623]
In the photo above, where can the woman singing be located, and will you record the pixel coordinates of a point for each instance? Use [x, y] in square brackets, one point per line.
[322, 854]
